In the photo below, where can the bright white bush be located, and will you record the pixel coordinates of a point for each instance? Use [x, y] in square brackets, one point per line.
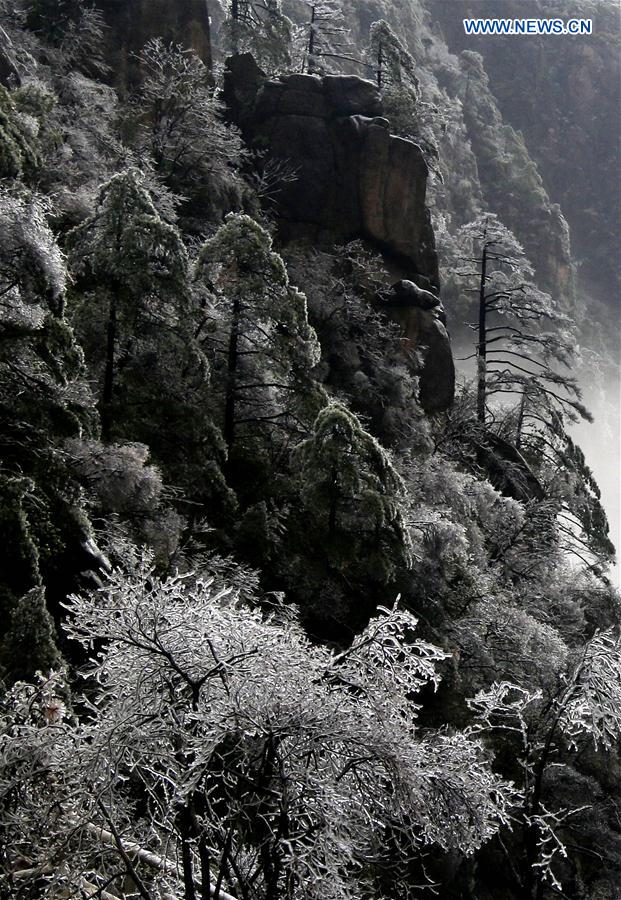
[217, 744]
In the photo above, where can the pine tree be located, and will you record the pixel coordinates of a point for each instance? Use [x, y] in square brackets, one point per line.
[29, 643]
[393, 63]
[352, 499]
[175, 124]
[133, 272]
[262, 346]
[262, 29]
[512, 350]
[327, 40]
[540, 433]
[19, 149]
[139, 322]
[51, 19]
[43, 401]
[19, 557]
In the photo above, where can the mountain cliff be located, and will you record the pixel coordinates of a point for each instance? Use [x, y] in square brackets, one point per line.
[291, 612]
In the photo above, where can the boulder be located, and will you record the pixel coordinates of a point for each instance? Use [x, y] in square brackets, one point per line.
[242, 83]
[348, 95]
[407, 294]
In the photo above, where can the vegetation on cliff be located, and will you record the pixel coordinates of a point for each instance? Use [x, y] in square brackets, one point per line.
[277, 624]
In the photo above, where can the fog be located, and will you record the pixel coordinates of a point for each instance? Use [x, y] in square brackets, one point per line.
[601, 443]
[600, 439]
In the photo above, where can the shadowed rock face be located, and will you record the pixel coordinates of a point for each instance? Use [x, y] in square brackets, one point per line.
[421, 316]
[134, 22]
[354, 179]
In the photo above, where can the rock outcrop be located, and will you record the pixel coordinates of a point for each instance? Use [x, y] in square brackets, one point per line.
[353, 177]
[422, 318]
[134, 22]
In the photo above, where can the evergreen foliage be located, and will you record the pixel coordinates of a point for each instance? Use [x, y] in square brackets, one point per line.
[351, 508]
[325, 37]
[395, 65]
[134, 271]
[277, 732]
[43, 400]
[52, 18]
[174, 123]
[18, 145]
[262, 346]
[351, 495]
[29, 644]
[511, 313]
[262, 29]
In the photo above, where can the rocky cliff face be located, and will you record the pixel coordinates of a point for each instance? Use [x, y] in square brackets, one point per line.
[423, 321]
[353, 177]
[9, 70]
[564, 96]
[133, 22]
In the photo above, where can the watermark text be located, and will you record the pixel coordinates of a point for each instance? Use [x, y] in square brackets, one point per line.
[528, 26]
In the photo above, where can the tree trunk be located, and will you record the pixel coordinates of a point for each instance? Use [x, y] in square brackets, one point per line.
[311, 43]
[482, 344]
[108, 387]
[334, 498]
[520, 421]
[189, 889]
[233, 359]
[235, 26]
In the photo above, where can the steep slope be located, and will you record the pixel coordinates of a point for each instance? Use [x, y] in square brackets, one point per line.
[565, 100]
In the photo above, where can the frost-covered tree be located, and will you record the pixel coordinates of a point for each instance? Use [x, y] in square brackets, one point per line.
[415, 105]
[349, 522]
[30, 642]
[262, 345]
[139, 322]
[40, 363]
[174, 122]
[71, 32]
[546, 730]
[224, 752]
[539, 428]
[262, 29]
[326, 37]
[512, 349]
[351, 485]
[363, 355]
[51, 18]
[42, 402]
[81, 143]
[19, 147]
[394, 65]
[133, 274]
